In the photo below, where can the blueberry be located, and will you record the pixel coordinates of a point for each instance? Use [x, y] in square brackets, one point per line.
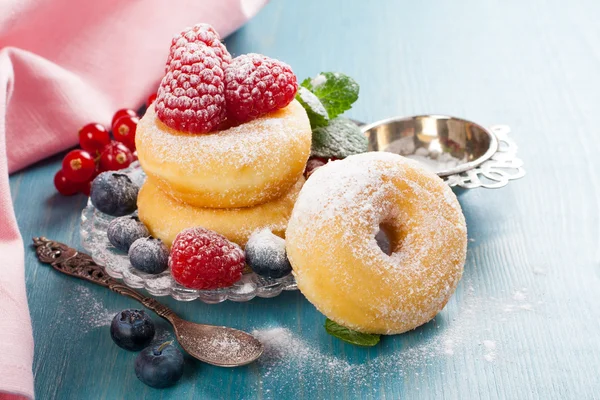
[132, 329]
[123, 231]
[149, 255]
[114, 194]
[159, 366]
[265, 254]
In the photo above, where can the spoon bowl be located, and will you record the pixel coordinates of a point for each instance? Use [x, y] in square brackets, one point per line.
[217, 345]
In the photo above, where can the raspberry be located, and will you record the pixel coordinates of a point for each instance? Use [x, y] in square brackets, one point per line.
[191, 95]
[200, 33]
[256, 84]
[203, 259]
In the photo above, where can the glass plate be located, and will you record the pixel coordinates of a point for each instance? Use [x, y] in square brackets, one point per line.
[94, 240]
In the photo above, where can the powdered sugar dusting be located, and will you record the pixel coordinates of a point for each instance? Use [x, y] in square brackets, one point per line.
[248, 161]
[490, 350]
[458, 333]
[348, 200]
[318, 80]
[89, 313]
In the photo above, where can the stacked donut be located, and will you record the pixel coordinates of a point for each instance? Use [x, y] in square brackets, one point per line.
[225, 144]
[232, 181]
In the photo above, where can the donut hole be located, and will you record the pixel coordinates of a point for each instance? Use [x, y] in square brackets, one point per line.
[383, 241]
[388, 238]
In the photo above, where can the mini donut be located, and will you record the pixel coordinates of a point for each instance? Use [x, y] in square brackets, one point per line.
[165, 217]
[242, 166]
[330, 242]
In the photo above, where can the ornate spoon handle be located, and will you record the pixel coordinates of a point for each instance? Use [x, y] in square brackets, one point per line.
[80, 265]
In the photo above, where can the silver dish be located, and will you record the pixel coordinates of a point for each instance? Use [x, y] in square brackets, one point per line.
[461, 152]
[116, 263]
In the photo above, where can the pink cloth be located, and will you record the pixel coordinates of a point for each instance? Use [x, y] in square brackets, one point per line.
[64, 63]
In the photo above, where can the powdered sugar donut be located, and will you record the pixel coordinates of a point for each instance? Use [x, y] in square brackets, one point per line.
[330, 241]
[165, 217]
[242, 166]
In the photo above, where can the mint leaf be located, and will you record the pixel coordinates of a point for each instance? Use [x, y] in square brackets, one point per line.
[336, 91]
[350, 336]
[317, 114]
[340, 139]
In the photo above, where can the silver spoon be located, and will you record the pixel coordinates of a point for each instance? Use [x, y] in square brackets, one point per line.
[216, 345]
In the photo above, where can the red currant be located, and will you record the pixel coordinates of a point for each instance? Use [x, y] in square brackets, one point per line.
[115, 156]
[151, 99]
[124, 131]
[93, 137]
[63, 185]
[121, 113]
[85, 188]
[78, 166]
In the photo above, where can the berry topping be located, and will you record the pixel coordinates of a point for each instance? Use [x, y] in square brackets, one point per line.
[122, 113]
[124, 131]
[191, 95]
[149, 255]
[93, 138]
[78, 166]
[256, 84]
[159, 366]
[115, 156]
[200, 34]
[123, 231]
[204, 259]
[114, 194]
[265, 254]
[132, 329]
[65, 186]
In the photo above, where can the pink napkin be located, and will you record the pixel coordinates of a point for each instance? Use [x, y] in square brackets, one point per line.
[64, 63]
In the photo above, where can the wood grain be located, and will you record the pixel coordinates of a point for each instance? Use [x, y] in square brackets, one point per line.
[532, 280]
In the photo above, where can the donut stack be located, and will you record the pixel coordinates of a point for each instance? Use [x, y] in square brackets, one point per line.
[224, 145]
[232, 181]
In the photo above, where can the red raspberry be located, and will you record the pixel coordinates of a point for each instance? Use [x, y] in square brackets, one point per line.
[256, 84]
[191, 95]
[200, 33]
[203, 259]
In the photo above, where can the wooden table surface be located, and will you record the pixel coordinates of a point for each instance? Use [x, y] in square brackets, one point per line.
[525, 319]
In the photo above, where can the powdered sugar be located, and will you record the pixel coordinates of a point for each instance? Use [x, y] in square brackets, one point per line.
[295, 358]
[239, 166]
[89, 313]
[318, 80]
[434, 161]
[265, 238]
[442, 163]
[490, 350]
[347, 201]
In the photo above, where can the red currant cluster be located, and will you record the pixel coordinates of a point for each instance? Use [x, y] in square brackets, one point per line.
[98, 153]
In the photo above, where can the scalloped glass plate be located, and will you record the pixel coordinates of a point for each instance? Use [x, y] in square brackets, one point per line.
[94, 240]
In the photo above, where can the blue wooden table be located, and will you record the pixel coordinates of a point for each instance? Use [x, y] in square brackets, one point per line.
[525, 320]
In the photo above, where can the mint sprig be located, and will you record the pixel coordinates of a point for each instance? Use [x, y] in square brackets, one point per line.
[317, 114]
[350, 336]
[340, 139]
[335, 90]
